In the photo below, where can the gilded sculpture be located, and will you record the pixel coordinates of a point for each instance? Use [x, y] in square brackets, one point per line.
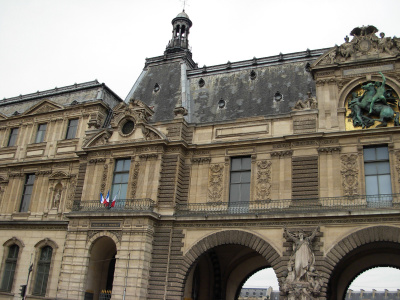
[375, 104]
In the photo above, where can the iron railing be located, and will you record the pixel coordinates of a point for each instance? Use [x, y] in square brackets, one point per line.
[144, 205]
[345, 203]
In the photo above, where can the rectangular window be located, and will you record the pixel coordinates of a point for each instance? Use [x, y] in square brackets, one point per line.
[240, 180]
[377, 174]
[120, 179]
[42, 271]
[26, 196]
[72, 128]
[13, 137]
[40, 133]
[9, 268]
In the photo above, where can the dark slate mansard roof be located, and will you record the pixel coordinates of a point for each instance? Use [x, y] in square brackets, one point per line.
[180, 80]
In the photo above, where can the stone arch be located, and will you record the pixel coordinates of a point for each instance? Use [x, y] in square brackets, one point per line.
[102, 249]
[230, 237]
[364, 241]
[356, 81]
[46, 242]
[91, 241]
[12, 241]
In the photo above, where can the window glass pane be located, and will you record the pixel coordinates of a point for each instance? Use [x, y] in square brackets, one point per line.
[245, 176]
[385, 186]
[234, 193]
[383, 167]
[122, 194]
[236, 164]
[382, 153]
[40, 133]
[72, 127]
[370, 169]
[119, 165]
[127, 163]
[246, 163]
[369, 154]
[117, 178]
[245, 192]
[371, 185]
[13, 137]
[125, 177]
[30, 178]
[235, 177]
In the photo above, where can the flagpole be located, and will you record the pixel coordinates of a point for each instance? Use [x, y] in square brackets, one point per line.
[126, 276]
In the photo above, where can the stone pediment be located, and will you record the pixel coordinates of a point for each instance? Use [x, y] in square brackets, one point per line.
[99, 139]
[2, 116]
[364, 45]
[43, 107]
[135, 110]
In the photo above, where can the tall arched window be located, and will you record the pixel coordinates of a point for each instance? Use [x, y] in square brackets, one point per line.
[42, 271]
[9, 268]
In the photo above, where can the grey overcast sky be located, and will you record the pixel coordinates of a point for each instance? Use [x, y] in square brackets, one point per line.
[54, 43]
[49, 43]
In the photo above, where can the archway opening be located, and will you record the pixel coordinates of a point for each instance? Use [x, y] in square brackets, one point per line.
[101, 269]
[220, 272]
[262, 279]
[378, 279]
[365, 257]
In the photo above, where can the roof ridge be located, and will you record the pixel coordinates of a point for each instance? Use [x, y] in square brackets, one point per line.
[56, 90]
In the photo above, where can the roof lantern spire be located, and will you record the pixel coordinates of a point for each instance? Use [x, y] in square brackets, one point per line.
[180, 33]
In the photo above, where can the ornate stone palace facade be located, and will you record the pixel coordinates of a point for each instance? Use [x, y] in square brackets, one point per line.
[207, 175]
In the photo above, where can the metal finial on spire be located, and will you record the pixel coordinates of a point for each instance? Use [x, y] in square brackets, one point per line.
[184, 4]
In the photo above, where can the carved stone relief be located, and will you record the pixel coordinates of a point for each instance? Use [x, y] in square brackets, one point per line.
[349, 171]
[397, 154]
[104, 178]
[308, 103]
[263, 188]
[215, 184]
[135, 179]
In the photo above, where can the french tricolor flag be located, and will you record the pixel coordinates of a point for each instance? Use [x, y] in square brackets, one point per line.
[105, 200]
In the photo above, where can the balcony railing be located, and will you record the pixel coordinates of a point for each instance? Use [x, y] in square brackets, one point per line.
[142, 205]
[346, 203]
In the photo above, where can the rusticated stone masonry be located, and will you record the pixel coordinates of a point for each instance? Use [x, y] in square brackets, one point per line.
[166, 272]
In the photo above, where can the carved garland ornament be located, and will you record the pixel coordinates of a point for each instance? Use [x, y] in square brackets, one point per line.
[215, 186]
[264, 180]
[397, 153]
[349, 174]
[135, 179]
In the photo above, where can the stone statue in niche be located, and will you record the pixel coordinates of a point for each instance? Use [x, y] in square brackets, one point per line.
[302, 282]
[57, 196]
[309, 103]
[373, 100]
